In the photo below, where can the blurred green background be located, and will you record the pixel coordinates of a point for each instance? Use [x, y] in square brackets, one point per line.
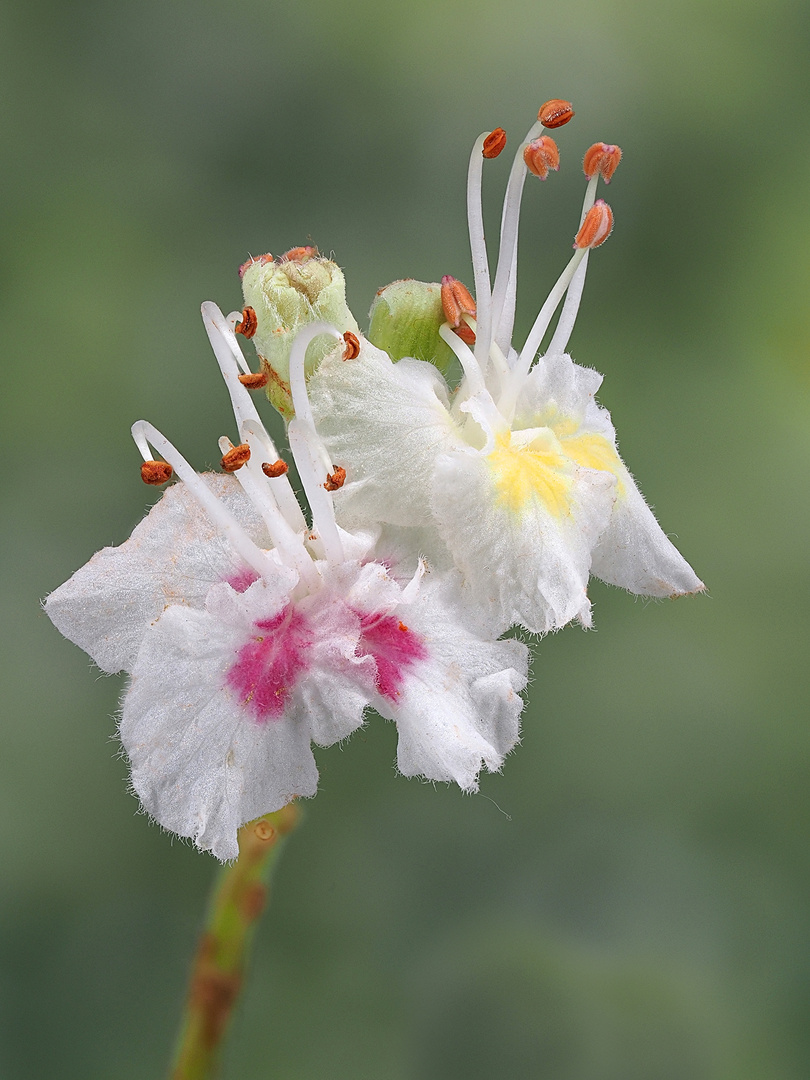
[629, 899]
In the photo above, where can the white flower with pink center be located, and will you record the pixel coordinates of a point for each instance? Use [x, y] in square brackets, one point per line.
[250, 633]
[518, 469]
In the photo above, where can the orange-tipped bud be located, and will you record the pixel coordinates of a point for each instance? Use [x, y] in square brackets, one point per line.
[261, 259]
[555, 113]
[156, 472]
[299, 254]
[596, 227]
[601, 158]
[274, 468]
[456, 301]
[352, 350]
[542, 155]
[494, 143]
[236, 457]
[248, 323]
[336, 479]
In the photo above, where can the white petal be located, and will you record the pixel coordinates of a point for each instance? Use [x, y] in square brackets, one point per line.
[201, 766]
[172, 557]
[383, 423]
[635, 553]
[529, 567]
[459, 705]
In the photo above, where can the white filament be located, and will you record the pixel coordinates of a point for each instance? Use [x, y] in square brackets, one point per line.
[568, 316]
[478, 247]
[145, 434]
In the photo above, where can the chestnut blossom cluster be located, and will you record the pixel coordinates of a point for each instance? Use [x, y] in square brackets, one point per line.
[436, 518]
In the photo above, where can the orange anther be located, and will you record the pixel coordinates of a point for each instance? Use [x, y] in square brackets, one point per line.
[555, 113]
[236, 457]
[254, 259]
[254, 381]
[156, 472]
[275, 468]
[299, 254]
[494, 143]
[596, 227]
[336, 479]
[247, 324]
[601, 158]
[456, 301]
[403, 628]
[352, 350]
[542, 155]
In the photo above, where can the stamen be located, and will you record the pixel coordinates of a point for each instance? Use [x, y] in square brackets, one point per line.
[235, 457]
[228, 355]
[310, 453]
[248, 323]
[156, 472]
[275, 468]
[568, 315]
[335, 480]
[466, 358]
[596, 227]
[289, 545]
[144, 433]
[488, 144]
[602, 158]
[502, 295]
[541, 155]
[352, 350]
[458, 304]
[254, 381]
[555, 113]
[521, 369]
[494, 143]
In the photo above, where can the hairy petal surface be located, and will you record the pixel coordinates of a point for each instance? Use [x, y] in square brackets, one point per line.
[173, 556]
[384, 423]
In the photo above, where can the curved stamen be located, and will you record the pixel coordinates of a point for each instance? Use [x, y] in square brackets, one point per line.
[466, 357]
[478, 247]
[507, 251]
[288, 544]
[229, 357]
[536, 334]
[568, 316]
[145, 435]
[311, 456]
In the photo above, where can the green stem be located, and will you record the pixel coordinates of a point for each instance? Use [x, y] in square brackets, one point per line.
[237, 901]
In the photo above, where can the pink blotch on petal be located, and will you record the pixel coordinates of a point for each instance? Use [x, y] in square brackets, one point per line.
[242, 579]
[394, 647]
[270, 663]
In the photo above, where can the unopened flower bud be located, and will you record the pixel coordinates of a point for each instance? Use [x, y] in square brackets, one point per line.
[287, 294]
[596, 227]
[494, 143]
[541, 156]
[555, 113]
[405, 319]
[601, 158]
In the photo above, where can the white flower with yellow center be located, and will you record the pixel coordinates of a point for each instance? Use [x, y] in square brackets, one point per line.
[518, 469]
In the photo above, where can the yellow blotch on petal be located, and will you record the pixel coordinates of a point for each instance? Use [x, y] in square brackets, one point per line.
[523, 475]
[594, 451]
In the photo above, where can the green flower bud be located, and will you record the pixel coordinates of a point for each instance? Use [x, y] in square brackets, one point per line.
[287, 294]
[405, 319]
